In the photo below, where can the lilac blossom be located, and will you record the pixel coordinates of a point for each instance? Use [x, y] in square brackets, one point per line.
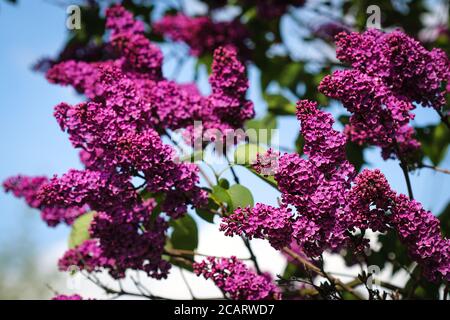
[390, 74]
[236, 280]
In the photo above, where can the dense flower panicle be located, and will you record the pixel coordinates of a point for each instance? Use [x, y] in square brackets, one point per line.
[177, 105]
[320, 183]
[316, 187]
[420, 231]
[29, 188]
[324, 146]
[82, 76]
[373, 204]
[401, 62]
[369, 202]
[297, 178]
[227, 108]
[331, 203]
[67, 297]
[86, 256]
[118, 130]
[97, 189]
[275, 8]
[146, 95]
[141, 57]
[268, 9]
[133, 245]
[379, 117]
[121, 21]
[236, 280]
[390, 73]
[123, 138]
[229, 86]
[26, 187]
[261, 221]
[203, 35]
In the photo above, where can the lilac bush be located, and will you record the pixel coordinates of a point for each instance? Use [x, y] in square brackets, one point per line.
[135, 192]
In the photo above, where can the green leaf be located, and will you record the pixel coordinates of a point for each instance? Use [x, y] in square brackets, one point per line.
[421, 289]
[299, 144]
[221, 195]
[434, 140]
[205, 60]
[240, 196]
[249, 14]
[259, 131]
[246, 154]
[209, 212]
[193, 157]
[279, 105]
[268, 179]
[181, 263]
[80, 229]
[185, 233]
[444, 217]
[177, 261]
[288, 76]
[355, 155]
[224, 183]
[290, 271]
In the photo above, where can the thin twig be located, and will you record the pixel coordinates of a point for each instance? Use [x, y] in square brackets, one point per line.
[120, 292]
[235, 177]
[404, 167]
[434, 168]
[205, 176]
[187, 284]
[181, 252]
[252, 254]
[308, 265]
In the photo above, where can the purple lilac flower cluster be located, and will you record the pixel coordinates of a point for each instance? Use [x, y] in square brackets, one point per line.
[28, 188]
[136, 77]
[86, 256]
[332, 203]
[202, 34]
[390, 74]
[226, 108]
[235, 279]
[268, 9]
[315, 186]
[118, 132]
[261, 221]
[373, 204]
[273, 9]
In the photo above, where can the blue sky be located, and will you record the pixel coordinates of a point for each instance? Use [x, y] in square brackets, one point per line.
[31, 142]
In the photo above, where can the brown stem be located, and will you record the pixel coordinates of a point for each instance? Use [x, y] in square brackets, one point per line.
[252, 254]
[434, 168]
[308, 265]
[404, 167]
[205, 176]
[181, 252]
